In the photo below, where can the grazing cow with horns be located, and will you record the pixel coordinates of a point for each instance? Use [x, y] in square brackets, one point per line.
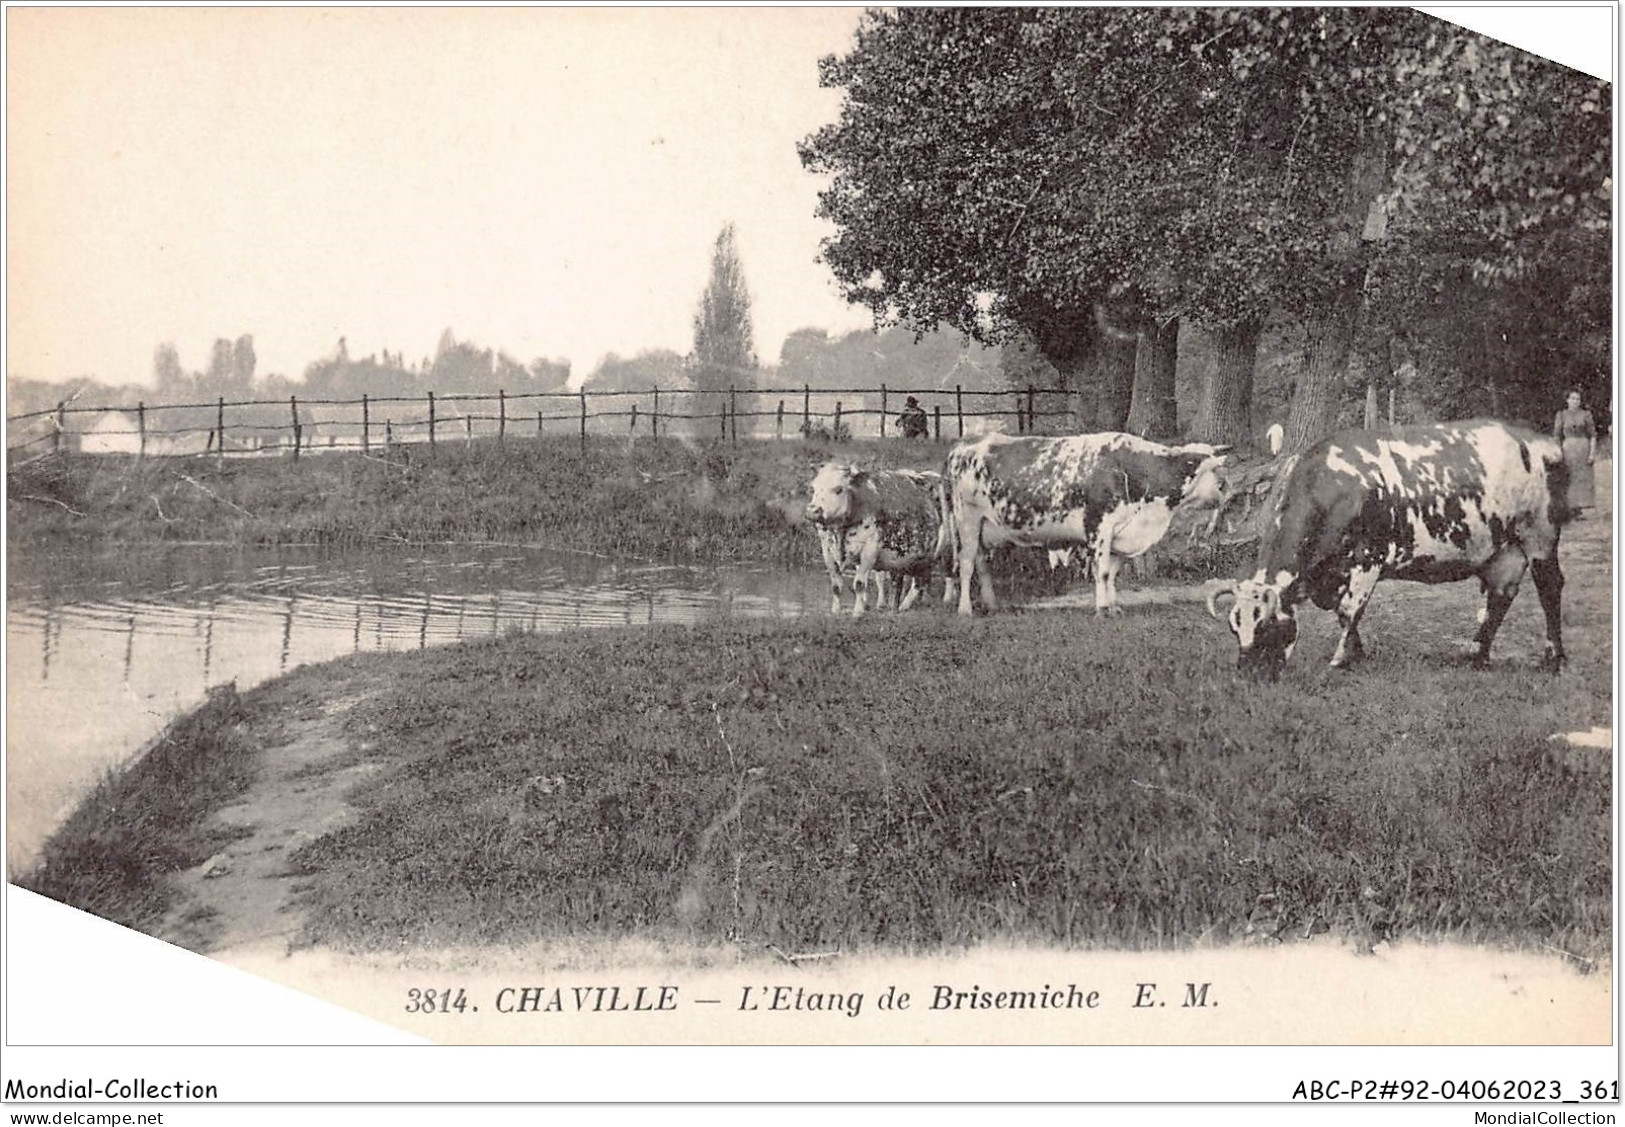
[1432, 504]
[1114, 494]
[886, 521]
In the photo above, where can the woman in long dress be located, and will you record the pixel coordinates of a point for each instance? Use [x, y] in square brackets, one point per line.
[1577, 432]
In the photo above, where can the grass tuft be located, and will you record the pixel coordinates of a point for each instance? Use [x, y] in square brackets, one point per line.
[149, 819]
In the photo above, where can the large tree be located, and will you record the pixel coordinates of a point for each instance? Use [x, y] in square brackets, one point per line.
[1005, 169]
[1495, 283]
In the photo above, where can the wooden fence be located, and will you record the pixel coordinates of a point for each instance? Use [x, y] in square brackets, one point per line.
[245, 427]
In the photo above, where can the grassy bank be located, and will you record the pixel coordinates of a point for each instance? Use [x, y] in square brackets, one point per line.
[920, 782]
[653, 499]
[931, 782]
[150, 820]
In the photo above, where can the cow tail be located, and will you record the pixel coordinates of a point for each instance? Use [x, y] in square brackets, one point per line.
[947, 527]
[1557, 483]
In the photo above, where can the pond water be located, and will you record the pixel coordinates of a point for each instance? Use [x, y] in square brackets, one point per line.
[103, 650]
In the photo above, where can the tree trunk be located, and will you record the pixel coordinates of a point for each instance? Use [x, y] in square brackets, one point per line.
[1331, 333]
[1115, 364]
[1153, 408]
[1082, 393]
[1326, 356]
[1069, 342]
[1225, 411]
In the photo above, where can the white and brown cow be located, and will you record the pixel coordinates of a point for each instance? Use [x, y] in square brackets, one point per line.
[1434, 504]
[1113, 494]
[876, 521]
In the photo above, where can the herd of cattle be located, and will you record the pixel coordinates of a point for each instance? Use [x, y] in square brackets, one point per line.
[1434, 504]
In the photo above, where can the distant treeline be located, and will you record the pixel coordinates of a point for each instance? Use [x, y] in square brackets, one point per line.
[810, 358]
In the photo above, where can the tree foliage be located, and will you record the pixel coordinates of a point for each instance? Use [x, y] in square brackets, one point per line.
[1010, 170]
[724, 349]
[658, 367]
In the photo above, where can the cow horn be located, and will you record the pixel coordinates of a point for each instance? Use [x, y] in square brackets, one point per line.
[1219, 587]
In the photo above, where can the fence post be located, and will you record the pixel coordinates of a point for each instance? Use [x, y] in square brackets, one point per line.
[654, 415]
[502, 415]
[293, 409]
[141, 427]
[806, 410]
[722, 420]
[1031, 425]
[431, 418]
[634, 427]
[61, 424]
[366, 425]
[882, 410]
[936, 411]
[835, 431]
[733, 415]
[959, 407]
[538, 422]
[220, 430]
[583, 419]
[1021, 420]
[778, 423]
[389, 433]
[468, 429]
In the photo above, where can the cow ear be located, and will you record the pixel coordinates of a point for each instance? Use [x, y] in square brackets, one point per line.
[859, 475]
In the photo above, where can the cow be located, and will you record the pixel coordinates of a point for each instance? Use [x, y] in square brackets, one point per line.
[1433, 504]
[876, 520]
[1113, 494]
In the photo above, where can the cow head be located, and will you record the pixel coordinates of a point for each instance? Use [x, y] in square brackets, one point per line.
[1205, 487]
[1264, 628]
[832, 493]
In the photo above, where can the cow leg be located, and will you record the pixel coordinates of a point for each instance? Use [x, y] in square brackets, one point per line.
[1107, 565]
[984, 581]
[948, 550]
[1549, 585]
[1500, 577]
[832, 565]
[912, 595]
[967, 564]
[880, 584]
[866, 567]
[1351, 601]
[972, 559]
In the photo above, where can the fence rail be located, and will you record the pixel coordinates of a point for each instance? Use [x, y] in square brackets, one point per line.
[248, 426]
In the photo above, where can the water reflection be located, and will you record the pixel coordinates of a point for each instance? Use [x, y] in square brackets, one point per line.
[126, 641]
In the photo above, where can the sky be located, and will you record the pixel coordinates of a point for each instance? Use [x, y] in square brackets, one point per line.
[548, 182]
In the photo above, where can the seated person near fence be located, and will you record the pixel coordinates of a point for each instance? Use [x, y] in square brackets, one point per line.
[912, 421]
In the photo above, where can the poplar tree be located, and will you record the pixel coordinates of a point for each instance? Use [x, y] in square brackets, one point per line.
[724, 352]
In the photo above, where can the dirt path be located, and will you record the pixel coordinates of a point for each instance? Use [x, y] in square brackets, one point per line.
[242, 897]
